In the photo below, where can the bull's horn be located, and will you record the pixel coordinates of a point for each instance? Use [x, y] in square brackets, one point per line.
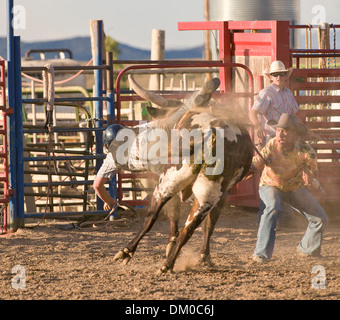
[152, 97]
[204, 95]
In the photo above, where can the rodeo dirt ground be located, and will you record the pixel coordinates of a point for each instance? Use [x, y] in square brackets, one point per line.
[78, 264]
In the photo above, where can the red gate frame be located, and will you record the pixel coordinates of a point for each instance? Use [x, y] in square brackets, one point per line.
[233, 41]
[246, 190]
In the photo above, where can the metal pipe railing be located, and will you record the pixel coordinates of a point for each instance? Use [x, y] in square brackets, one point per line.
[216, 64]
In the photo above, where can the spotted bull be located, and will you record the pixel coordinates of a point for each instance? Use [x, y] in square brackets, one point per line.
[205, 169]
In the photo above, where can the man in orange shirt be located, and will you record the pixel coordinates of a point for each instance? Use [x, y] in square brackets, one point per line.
[287, 165]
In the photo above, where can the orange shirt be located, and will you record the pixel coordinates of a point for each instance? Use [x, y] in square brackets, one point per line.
[286, 171]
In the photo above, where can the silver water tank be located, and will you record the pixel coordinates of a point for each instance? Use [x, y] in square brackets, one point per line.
[250, 10]
[247, 10]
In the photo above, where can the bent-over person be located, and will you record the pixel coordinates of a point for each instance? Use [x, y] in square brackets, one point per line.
[288, 164]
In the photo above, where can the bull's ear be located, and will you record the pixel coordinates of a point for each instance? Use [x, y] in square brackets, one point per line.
[174, 103]
[272, 122]
[156, 112]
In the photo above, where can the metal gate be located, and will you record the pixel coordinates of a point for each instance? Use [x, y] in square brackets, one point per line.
[241, 190]
[317, 91]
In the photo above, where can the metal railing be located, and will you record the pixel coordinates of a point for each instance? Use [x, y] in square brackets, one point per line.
[130, 96]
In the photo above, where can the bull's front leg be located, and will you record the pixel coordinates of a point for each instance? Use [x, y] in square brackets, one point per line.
[196, 215]
[170, 183]
[155, 207]
[172, 210]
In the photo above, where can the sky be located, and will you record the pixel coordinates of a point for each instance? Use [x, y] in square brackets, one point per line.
[129, 22]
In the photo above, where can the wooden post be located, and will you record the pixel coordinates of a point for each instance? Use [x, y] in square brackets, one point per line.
[207, 36]
[157, 53]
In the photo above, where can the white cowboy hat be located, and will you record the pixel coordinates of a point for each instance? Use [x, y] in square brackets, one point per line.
[278, 66]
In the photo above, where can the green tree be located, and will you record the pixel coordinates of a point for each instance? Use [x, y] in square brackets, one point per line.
[112, 45]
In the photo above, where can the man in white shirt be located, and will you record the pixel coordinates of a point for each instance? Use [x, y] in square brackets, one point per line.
[110, 165]
[273, 101]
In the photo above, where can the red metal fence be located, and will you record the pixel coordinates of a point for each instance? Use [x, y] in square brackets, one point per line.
[241, 191]
[317, 91]
[4, 173]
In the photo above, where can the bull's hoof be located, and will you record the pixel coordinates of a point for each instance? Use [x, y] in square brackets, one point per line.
[211, 85]
[164, 269]
[125, 255]
[206, 261]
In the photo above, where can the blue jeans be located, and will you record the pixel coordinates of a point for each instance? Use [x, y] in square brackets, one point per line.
[302, 201]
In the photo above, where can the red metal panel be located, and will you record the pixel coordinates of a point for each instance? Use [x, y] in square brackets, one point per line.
[309, 73]
[252, 39]
[323, 124]
[319, 113]
[317, 99]
[316, 86]
[200, 25]
[251, 25]
[224, 46]
[274, 44]
[326, 145]
[4, 147]
[280, 42]
[328, 156]
[225, 56]
[252, 44]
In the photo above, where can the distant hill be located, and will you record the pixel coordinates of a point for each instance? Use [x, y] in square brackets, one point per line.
[81, 49]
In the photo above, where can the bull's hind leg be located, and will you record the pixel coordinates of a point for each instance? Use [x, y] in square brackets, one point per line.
[170, 183]
[207, 194]
[208, 226]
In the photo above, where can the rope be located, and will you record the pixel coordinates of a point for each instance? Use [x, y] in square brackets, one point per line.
[49, 179]
[48, 76]
[32, 78]
[74, 76]
[57, 82]
[127, 220]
